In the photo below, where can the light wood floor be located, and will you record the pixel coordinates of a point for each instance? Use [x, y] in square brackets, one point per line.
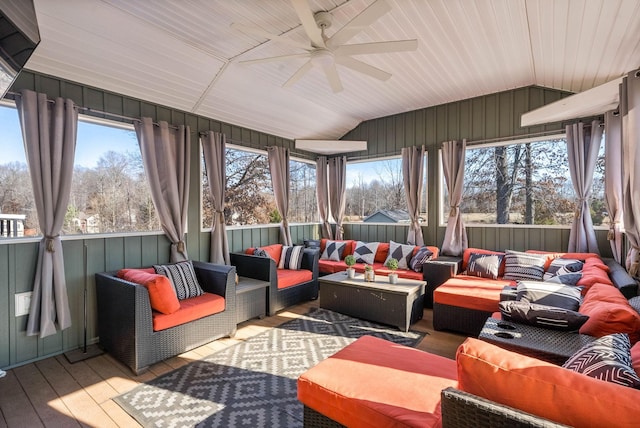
[55, 393]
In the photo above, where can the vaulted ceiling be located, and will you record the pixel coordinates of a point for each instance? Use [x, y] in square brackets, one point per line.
[185, 55]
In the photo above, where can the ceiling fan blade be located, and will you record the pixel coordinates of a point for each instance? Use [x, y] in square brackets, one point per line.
[308, 22]
[359, 23]
[331, 72]
[376, 48]
[274, 58]
[298, 74]
[248, 29]
[362, 67]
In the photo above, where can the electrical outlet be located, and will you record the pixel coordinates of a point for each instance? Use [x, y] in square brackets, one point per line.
[23, 303]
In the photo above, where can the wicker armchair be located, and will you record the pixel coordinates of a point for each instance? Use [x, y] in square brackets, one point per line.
[265, 269]
[125, 321]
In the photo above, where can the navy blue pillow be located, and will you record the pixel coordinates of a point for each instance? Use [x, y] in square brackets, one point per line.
[422, 256]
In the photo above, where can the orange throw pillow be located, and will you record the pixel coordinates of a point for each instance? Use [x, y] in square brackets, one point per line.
[161, 294]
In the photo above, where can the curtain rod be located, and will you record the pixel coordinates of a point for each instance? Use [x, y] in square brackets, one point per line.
[96, 112]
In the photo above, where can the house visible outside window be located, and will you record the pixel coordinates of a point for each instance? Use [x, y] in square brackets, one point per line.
[375, 192]
[109, 191]
[524, 182]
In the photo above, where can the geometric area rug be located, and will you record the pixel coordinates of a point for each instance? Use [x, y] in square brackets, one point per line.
[251, 384]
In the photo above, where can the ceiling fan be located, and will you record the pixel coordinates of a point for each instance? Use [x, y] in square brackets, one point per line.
[327, 52]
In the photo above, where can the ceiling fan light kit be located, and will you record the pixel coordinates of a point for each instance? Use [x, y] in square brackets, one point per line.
[325, 52]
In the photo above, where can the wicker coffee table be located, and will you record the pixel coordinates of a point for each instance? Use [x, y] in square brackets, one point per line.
[399, 305]
[545, 344]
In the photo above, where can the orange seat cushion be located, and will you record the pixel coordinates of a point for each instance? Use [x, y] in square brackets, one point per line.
[190, 309]
[331, 266]
[377, 383]
[162, 296]
[609, 312]
[544, 389]
[289, 278]
[471, 292]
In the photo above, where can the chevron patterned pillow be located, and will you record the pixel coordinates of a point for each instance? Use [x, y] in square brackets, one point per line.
[365, 252]
[607, 358]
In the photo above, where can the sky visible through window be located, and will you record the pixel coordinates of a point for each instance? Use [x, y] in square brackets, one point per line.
[96, 140]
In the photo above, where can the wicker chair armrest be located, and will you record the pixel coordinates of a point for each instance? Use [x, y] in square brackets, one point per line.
[310, 258]
[621, 278]
[462, 409]
[213, 278]
[250, 266]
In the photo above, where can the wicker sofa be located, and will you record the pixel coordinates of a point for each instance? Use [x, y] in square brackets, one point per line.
[126, 318]
[463, 302]
[486, 386]
[287, 287]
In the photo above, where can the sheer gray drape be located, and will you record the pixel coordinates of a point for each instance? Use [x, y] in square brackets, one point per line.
[613, 181]
[279, 169]
[413, 177]
[337, 188]
[322, 192]
[214, 149]
[166, 159]
[455, 236]
[49, 132]
[630, 116]
[583, 145]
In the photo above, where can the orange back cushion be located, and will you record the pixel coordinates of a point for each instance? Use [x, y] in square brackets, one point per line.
[161, 294]
[609, 312]
[382, 252]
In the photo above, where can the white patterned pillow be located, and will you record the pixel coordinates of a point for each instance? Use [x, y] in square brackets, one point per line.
[333, 250]
[550, 294]
[365, 252]
[523, 266]
[401, 252]
[607, 358]
[182, 278]
[291, 257]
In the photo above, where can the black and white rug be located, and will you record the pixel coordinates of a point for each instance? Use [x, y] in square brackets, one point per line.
[251, 384]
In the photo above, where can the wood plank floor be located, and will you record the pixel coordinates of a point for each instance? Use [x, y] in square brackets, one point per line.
[55, 393]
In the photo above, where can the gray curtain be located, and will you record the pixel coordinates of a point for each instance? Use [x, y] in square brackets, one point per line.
[413, 177]
[49, 131]
[279, 169]
[583, 145]
[166, 158]
[337, 188]
[630, 116]
[322, 193]
[455, 236]
[613, 181]
[214, 149]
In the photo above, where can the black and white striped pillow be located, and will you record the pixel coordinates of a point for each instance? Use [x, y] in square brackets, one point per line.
[365, 252]
[607, 358]
[291, 257]
[550, 294]
[523, 266]
[182, 278]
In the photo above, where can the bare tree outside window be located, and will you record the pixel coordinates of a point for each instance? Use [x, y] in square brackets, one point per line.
[524, 183]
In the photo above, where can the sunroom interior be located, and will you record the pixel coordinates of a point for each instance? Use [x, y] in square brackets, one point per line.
[479, 70]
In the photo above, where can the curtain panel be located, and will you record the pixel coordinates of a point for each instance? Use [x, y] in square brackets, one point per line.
[279, 169]
[337, 189]
[49, 131]
[583, 145]
[322, 194]
[413, 177]
[613, 181]
[215, 161]
[166, 158]
[630, 130]
[453, 157]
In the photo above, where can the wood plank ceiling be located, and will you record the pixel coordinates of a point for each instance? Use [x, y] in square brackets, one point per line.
[183, 54]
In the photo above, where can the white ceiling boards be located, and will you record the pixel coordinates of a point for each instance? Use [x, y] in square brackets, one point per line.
[186, 55]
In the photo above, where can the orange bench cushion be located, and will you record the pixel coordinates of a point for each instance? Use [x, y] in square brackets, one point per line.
[190, 309]
[470, 292]
[544, 389]
[289, 278]
[377, 383]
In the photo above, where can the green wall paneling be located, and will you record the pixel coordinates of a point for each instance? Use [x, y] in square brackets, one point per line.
[6, 302]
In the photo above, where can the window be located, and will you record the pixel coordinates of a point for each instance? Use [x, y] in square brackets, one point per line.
[524, 182]
[375, 192]
[303, 203]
